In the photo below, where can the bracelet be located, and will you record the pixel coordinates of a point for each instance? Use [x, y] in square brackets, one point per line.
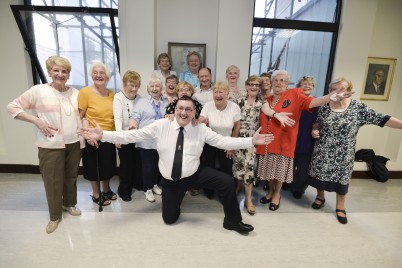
[273, 115]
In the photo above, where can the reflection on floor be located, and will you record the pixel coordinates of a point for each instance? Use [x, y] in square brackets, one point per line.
[132, 234]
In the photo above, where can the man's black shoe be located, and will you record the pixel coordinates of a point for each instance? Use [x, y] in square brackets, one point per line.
[210, 194]
[240, 227]
[297, 195]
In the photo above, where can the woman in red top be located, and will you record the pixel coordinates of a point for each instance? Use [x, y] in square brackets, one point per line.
[276, 159]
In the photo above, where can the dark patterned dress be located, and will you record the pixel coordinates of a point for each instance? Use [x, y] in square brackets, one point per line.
[334, 152]
[243, 163]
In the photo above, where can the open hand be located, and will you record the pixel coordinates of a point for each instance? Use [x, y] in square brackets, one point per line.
[91, 134]
[285, 120]
[261, 139]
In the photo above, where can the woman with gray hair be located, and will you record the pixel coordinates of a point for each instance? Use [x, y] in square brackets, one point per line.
[283, 109]
[194, 65]
[95, 103]
[335, 130]
[56, 121]
[146, 111]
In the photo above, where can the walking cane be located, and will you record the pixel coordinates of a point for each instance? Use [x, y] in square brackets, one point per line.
[97, 173]
[85, 124]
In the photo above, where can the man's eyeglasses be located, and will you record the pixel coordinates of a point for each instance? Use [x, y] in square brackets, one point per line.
[181, 109]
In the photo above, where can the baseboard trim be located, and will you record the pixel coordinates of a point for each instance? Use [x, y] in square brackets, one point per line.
[34, 169]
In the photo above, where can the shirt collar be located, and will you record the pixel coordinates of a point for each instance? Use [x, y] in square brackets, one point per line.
[177, 126]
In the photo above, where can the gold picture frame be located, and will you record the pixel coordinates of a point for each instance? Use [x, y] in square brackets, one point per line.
[378, 79]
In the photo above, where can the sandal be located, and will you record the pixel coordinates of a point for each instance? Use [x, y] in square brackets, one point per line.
[250, 208]
[341, 219]
[316, 205]
[109, 195]
[103, 201]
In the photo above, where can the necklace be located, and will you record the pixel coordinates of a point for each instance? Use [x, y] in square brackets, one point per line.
[64, 97]
[274, 102]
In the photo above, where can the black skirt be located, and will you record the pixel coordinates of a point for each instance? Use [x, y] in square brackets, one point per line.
[102, 159]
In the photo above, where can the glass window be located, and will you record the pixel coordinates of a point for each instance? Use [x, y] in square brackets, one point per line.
[309, 10]
[298, 36]
[82, 36]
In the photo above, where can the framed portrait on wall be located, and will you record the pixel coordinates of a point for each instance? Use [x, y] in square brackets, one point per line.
[378, 79]
[179, 51]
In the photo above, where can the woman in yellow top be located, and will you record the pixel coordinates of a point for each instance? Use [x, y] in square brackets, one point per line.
[96, 103]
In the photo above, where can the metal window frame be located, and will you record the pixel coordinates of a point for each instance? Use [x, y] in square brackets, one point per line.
[38, 73]
[309, 26]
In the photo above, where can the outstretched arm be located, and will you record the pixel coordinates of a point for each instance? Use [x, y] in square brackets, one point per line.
[281, 117]
[394, 123]
[334, 96]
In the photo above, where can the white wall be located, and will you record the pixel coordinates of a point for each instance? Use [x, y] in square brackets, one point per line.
[369, 28]
[376, 34]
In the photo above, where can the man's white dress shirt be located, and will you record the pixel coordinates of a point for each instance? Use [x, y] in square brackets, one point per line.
[165, 132]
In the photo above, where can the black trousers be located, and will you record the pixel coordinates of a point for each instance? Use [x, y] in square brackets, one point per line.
[209, 156]
[301, 164]
[130, 175]
[205, 177]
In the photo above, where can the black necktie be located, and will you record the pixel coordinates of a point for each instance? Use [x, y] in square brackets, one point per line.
[178, 156]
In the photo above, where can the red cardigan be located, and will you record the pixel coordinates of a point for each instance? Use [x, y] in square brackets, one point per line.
[285, 137]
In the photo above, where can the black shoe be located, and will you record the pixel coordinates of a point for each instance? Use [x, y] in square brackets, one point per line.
[274, 206]
[240, 227]
[297, 195]
[110, 195]
[210, 194]
[318, 205]
[126, 198]
[341, 219]
[265, 200]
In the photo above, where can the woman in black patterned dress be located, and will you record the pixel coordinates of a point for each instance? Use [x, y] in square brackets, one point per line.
[337, 125]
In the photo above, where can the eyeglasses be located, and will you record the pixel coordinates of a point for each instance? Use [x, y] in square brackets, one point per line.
[279, 81]
[181, 109]
[254, 84]
[184, 89]
[99, 73]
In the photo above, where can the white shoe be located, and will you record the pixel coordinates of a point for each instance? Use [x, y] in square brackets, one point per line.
[157, 190]
[150, 196]
[72, 210]
[52, 226]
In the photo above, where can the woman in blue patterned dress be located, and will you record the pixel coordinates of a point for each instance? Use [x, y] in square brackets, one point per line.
[337, 125]
[243, 163]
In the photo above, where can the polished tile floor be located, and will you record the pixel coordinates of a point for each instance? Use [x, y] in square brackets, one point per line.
[132, 234]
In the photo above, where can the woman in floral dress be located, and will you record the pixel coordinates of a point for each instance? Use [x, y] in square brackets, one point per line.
[243, 163]
[337, 125]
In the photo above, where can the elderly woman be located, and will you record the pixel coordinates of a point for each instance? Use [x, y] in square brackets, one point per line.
[276, 160]
[164, 62]
[184, 89]
[60, 148]
[232, 77]
[337, 125]
[170, 89]
[147, 110]
[304, 143]
[123, 106]
[243, 163]
[95, 103]
[265, 90]
[223, 117]
[194, 65]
